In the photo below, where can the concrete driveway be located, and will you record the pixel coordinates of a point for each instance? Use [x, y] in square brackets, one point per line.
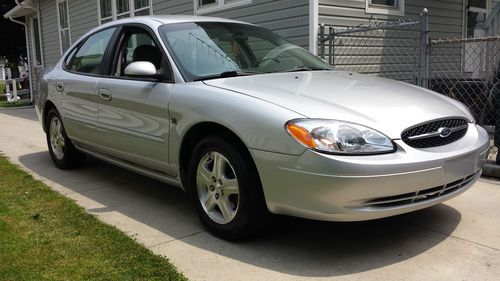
[459, 240]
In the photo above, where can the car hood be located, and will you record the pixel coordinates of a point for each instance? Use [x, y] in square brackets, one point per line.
[386, 105]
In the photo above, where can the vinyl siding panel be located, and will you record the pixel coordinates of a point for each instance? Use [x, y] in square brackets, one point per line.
[289, 18]
[82, 17]
[49, 29]
[445, 16]
[173, 7]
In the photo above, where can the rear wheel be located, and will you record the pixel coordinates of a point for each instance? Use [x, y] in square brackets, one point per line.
[226, 189]
[63, 153]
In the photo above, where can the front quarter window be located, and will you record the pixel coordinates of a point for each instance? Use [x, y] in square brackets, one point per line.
[207, 49]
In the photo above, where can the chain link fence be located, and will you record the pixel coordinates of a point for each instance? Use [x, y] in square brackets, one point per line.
[390, 50]
[464, 69]
[468, 71]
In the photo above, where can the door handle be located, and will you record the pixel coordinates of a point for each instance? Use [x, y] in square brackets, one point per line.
[59, 86]
[105, 94]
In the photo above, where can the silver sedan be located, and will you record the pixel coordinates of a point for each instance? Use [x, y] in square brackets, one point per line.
[251, 124]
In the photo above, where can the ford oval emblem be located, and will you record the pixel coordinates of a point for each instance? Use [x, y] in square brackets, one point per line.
[444, 132]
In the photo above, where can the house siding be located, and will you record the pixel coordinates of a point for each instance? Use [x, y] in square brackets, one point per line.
[173, 7]
[445, 16]
[385, 53]
[49, 30]
[82, 17]
[289, 18]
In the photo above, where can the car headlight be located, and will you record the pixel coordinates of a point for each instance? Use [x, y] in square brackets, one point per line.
[338, 137]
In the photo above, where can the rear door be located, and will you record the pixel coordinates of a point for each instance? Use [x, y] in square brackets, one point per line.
[76, 86]
[133, 116]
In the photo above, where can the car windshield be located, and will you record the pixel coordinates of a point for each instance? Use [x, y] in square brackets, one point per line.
[205, 50]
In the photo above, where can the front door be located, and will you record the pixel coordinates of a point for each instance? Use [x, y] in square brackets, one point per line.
[133, 113]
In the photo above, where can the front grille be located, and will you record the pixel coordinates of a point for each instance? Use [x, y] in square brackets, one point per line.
[428, 134]
[423, 195]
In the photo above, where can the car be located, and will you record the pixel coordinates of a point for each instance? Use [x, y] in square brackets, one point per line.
[252, 125]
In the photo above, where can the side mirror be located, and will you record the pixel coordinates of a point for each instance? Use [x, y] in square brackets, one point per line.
[143, 69]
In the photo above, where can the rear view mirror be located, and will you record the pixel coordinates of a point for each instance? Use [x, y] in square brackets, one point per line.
[141, 69]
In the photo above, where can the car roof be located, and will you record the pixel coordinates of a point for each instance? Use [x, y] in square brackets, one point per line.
[157, 20]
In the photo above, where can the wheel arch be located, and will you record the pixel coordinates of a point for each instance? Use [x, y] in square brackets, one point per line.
[195, 134]
[46, 109]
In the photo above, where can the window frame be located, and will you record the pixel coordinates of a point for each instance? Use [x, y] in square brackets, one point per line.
[219, 5]
[398, 10]
[33, 42]
[114, 12]
[105, 58]
[59, 24]
[474, 9]
[116, 48]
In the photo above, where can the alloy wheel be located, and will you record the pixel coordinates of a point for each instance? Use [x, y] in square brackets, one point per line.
[56, 136]
[217, 187]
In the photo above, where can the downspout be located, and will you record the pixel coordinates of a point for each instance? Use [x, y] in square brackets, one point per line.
[27, 53]
[27, 45]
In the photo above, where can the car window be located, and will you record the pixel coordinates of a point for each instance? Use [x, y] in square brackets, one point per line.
[137, 46]
[207, 49]
[88, 58]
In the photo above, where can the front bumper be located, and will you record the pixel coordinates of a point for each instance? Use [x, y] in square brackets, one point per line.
[351, 188]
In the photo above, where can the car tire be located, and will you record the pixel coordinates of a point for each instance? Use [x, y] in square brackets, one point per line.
[226, 189]
[61, 149]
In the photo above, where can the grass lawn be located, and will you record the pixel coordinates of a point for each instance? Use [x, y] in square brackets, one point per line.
[46, 236]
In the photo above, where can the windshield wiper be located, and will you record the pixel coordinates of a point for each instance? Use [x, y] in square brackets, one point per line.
[224, 74]
[305, 68]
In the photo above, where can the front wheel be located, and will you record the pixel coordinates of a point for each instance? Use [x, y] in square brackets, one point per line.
[63, 153]
[226, 189]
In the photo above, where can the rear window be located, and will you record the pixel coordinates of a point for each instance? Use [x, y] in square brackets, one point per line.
[89, 56]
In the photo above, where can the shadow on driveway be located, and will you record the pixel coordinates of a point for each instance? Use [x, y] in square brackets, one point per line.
[288, 245]
[25, 112]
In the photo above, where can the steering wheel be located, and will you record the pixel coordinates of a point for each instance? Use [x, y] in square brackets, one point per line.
[274, 53]
[264, 59]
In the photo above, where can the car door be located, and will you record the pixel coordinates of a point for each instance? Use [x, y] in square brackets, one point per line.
[76, 86]
[133, 116]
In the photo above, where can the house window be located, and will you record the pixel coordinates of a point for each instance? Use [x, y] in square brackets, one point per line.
[63, 20]
[37, 44]
[142, 7]
[476, 12]
[208, 6]
[386, 7]
[117, 9]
